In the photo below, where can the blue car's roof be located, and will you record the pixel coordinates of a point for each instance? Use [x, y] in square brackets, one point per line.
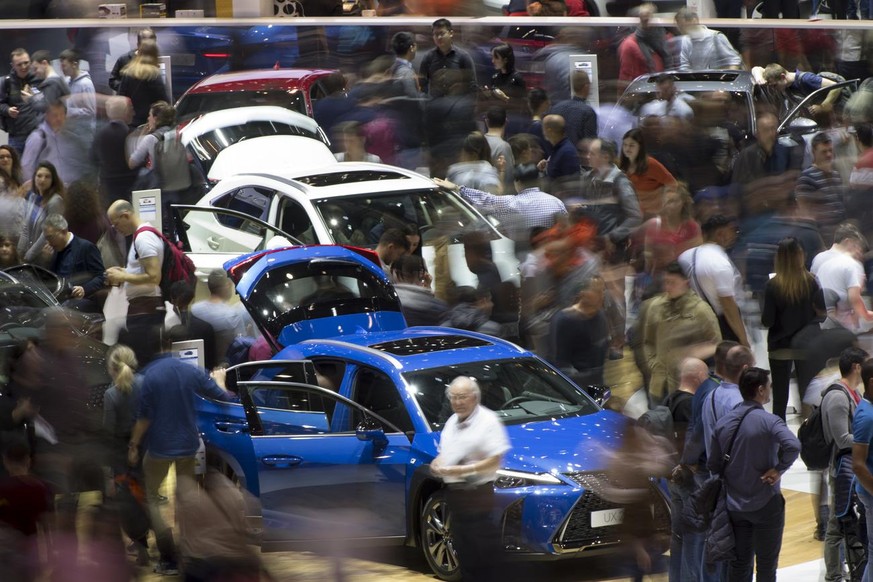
[414, 348]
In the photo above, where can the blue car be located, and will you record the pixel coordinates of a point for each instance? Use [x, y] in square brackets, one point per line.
[335, 434]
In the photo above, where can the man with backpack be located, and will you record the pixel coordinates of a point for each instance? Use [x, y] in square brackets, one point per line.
[837, 410]
[153, 265]
[141, 279]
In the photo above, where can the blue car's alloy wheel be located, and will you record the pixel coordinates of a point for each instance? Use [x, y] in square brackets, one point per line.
[436, 538]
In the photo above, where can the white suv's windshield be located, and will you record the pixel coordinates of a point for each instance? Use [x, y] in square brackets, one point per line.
[361, 220]
[519, 390]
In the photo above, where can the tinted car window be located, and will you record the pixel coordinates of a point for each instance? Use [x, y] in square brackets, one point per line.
[376, 392]
[207, 146]
[316, 289]
[518, 390]
[197, 103]
[361, 220]
[250, 200]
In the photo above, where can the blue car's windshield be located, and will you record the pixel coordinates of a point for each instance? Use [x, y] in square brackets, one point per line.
[519, 390]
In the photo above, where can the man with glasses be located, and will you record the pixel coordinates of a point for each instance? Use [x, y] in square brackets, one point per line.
[16, 117]
[444, 56]
[79, 262]
[471, 449]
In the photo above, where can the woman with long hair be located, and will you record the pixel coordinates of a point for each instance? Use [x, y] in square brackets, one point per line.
[10, 170]
[45, 196]
[647, 174]
[507, 84]
[142, 83]
[474, 168]
[792, 299]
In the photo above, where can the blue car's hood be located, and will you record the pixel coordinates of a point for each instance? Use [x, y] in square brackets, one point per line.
[565, 445]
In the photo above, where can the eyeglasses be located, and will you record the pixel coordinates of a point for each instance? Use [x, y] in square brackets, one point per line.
[460, 397]
[5, 157]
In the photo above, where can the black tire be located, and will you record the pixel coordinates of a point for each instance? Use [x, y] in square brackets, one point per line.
[436, 538]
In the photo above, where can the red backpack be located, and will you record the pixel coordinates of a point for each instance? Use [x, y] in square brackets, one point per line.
[176, 266]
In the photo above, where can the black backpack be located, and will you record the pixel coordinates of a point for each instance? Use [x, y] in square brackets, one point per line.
[815, 450]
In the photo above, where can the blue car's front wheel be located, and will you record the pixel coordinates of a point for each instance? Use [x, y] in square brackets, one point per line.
[436, 538]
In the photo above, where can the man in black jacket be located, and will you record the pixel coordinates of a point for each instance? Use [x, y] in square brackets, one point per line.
[109, 152]
[79, 261]
[14, 95]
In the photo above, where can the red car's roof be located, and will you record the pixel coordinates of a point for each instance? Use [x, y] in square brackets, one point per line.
[260, 79]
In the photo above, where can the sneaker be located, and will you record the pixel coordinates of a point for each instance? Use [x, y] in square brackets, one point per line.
[166, 569]
[819, 534]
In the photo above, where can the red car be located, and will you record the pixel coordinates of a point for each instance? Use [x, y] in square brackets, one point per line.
[294, 89]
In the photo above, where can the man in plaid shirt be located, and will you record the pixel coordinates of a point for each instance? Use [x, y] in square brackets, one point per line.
[519, 213]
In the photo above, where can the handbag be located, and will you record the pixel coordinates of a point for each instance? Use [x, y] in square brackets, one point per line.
[703, 502]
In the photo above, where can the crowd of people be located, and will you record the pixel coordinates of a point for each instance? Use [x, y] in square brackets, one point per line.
[656, 245]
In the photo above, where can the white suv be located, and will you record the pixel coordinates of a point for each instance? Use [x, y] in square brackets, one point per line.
[346, 203]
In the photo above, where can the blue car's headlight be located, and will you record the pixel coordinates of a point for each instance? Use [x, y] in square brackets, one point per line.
[507, 479]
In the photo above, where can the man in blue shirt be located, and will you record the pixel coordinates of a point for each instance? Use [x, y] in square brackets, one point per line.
[727, 395]
[862, 455]
[166, 414]
[761, 448]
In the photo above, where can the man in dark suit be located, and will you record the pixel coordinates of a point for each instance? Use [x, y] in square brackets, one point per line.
[109, 152]
[78, 261]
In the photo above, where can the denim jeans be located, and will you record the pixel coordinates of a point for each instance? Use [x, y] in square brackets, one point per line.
[758, 536]
[867, 500]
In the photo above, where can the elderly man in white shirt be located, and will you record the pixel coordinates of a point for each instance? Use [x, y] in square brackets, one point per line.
[471, 449]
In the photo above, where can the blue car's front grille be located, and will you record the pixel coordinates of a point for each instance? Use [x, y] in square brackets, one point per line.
[578, 533]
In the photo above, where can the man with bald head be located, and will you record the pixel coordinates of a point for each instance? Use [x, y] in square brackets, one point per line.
[141, 279]
[563, 162]
[471, 449]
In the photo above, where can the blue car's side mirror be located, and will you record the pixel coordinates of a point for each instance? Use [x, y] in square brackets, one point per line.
[370, 430]
[599, 393]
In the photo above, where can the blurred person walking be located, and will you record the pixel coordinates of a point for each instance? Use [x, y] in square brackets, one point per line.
[518, 213]
[166, 429]
[82, 102]
[56, 142]
[838, 407]
[792, 300]
[678, 324]
[404, 46]
[580, 119]
[763, 448]
[672, 232]
[474, 168]
[119, 413]
[692, 374]
[507, 84]
[413, 284]
[501, 151]
[648, 176]
[842, 279]
[644, 50]
[821, 187]
[142, 35]
[109, 153]
[715, 278]
[470, 451]
[703, 49]
[141, 82]
[579, 335]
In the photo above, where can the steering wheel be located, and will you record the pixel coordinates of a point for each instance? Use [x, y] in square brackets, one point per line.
[514, 400]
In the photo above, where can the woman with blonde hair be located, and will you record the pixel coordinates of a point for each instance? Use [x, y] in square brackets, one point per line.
[142, 83]
[792, 299]
[119, 410]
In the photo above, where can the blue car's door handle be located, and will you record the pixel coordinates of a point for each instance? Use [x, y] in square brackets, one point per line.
[231, 427]
[281, 461]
